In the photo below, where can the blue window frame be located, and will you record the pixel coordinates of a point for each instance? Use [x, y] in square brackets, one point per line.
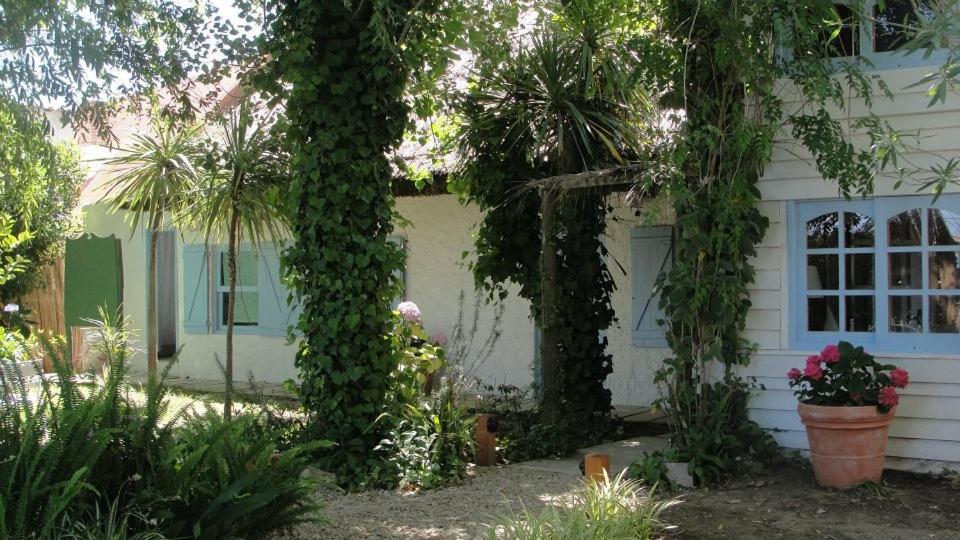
[883, 273]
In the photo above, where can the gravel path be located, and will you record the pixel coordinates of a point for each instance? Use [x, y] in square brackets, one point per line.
[458, 512]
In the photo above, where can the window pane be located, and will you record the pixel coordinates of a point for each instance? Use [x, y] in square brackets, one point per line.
[859, 313]
[847, 42]
[945, 314]
[945, 270]
[246, 269]
[904, 229]
[906, 312]
[859, 271]
[889, 32]
[246, 312]
[943, 228]
[823, 272]
[823, 312]
[857, 230]
[822, 231]
[905, 271]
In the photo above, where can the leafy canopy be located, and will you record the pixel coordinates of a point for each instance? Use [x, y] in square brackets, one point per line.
[40, 186]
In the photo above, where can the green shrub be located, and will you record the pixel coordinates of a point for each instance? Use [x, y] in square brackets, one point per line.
[523, 435]
[428, 438]
[74, 441]
[430, 441]
[724, 440]
[215, 482]
[612, 509]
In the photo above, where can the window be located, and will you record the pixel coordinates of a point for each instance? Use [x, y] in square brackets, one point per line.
[878, 34]
[884, 273]
[262, 303]
[246, 309]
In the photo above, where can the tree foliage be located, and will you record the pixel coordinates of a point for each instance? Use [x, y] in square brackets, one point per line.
[156, 172]
[239, 197]
[39, 186]
[84, 55]
[566, 101]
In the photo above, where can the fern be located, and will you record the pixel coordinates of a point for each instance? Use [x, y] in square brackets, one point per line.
[69, 441]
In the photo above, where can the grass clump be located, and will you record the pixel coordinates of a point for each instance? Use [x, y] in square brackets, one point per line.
[612, 509]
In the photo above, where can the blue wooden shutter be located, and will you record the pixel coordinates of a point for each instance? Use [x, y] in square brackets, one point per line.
[196, 289]
[651, 253]
[275, 313]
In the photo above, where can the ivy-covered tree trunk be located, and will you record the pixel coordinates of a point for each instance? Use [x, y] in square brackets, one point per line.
[549, 309]
[585, 290]
[346, 109]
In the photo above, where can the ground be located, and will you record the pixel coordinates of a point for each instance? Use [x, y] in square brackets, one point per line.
[783, 503]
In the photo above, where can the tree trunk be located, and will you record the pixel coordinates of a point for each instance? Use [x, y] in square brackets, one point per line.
[156, 221]
[550, 339]
[231, 303]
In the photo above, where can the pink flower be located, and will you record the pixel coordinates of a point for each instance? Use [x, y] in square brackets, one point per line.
[900, 378]
[794, 374]
[409, 311]
[813, 371]
[830, 354]
[439, 339]
[814, 360]
[889, 397]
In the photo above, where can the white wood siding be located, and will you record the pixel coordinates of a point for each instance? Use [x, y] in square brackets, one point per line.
[927, 427]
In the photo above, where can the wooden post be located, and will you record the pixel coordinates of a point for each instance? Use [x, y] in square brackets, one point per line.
[486, 453]
[550, 340]
[596, 466]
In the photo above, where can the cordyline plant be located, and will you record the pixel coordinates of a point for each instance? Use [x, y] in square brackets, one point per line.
[846, 376]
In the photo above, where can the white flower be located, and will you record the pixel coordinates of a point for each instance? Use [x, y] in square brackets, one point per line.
[11, 308]
[410, 311]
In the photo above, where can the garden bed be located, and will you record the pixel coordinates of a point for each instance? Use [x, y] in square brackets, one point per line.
[784, 503]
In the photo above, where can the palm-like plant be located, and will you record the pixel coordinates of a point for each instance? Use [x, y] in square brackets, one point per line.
[240, 200]
[155, 172]
[567, 101]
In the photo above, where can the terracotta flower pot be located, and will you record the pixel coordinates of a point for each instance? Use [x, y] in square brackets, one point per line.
[847, 444]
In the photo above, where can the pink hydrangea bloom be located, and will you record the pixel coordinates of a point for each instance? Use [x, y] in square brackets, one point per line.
[830, 354]
[409, 311]
[889, 396]
[813, 371]
[814, 360]
[900, 378]
[439, 339]
[794, 374]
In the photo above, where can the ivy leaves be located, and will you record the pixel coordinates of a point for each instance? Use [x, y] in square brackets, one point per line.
[343, 77]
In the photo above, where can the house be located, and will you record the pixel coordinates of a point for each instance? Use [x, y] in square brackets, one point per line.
[882, 272]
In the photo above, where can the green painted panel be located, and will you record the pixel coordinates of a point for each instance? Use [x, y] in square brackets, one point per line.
[93, 278]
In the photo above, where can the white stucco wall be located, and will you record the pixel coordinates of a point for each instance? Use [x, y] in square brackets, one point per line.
[441, 230]
[436, 233]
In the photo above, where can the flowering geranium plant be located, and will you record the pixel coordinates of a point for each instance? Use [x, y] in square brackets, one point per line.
[846, 376]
